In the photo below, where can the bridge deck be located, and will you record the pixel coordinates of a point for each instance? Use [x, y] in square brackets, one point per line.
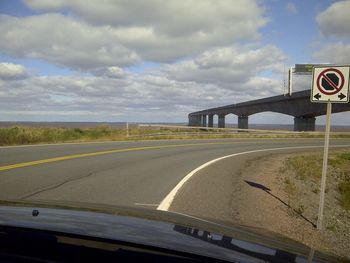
[297, 105]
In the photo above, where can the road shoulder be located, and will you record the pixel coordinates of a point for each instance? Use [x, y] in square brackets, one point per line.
[253, 194]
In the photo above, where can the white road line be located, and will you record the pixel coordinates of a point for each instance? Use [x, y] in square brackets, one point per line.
[167, 201]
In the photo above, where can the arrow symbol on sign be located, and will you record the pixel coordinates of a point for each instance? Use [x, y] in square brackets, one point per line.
[341, 96]
[317, 96]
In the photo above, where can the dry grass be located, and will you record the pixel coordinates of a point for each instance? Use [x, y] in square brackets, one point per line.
[306, 166]
[29, 135]
[309, 168]
[19, 135]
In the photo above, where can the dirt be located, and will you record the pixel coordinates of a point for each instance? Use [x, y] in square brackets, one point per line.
[273, 198]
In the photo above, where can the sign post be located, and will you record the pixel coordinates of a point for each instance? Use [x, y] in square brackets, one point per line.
[290, 81]
[329, 85]
[127, 129]
[324, 166]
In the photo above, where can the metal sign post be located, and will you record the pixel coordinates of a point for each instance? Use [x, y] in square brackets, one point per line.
[324, 167]
[127, 129]
[290, 82]
[329, 85]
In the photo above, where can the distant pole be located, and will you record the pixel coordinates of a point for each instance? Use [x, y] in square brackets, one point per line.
[127, 129]
[284, 80]
[324, 167]
[290, 83]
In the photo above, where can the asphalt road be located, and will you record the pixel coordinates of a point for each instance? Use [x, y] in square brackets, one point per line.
[120, 173]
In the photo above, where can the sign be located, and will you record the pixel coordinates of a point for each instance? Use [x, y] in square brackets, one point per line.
[306, 69]
[330, 84]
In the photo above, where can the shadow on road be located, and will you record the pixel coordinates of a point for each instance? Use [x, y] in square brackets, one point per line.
[268, 191]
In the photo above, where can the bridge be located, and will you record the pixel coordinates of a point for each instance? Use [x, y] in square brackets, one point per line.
[297, 105]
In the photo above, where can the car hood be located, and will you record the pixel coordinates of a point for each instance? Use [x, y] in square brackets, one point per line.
[158, 229]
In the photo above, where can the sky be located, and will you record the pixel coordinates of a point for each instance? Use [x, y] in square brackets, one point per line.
[157, 61]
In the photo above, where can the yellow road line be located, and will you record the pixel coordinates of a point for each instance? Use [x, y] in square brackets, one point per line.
[75, 156]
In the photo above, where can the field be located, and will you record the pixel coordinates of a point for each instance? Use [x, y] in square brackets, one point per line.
[20, 135]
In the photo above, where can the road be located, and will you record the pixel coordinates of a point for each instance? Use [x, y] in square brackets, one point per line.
[122, 173]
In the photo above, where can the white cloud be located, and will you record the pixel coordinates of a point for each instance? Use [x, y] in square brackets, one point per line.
[335, 20]
[214, 78]
[122, 33]
[291, 8]
[145, 98]
[63, 41]
[110, 72]
[9, 71]
[171, 17]
[228, 67]
[333, 53]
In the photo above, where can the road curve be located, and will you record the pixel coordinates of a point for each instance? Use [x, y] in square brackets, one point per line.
[121, 173]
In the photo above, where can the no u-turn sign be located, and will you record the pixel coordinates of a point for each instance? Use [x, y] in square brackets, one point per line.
[330, 84]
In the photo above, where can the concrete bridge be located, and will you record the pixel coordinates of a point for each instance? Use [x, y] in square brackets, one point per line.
[297, 105]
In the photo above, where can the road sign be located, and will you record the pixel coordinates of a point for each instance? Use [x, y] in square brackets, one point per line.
[306, 69]
[330, 84]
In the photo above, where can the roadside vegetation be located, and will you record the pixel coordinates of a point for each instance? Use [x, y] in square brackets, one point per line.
[19, 135]
[30, 135]
[300, 175]
[308, 169]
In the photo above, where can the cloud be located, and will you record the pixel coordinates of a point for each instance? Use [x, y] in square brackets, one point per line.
[9, 71]
[335, 20]
[291, 8]
[109, 72]
[141, 98]
[203, 62]
[172, 17]
[228, 67]
[63, 41]
[333, 53]
[93, 35]
[217, 77]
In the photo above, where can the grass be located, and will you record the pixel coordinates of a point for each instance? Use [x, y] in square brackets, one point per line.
[305, 166]
[29, 135]
[331, 227]
[290, 187]
[344, 190]
[19, 135]
[309, 167]
[344, 156]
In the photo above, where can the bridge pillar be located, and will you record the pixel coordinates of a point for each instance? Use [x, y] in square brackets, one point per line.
[204, 121]
[304, 123]
[221, 121]
[210, 120]
[242, 122]
[194, 120]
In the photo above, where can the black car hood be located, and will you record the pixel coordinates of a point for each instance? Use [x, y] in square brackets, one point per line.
[158, 229]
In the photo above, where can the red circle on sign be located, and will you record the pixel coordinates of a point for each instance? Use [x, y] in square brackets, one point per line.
[336, 87]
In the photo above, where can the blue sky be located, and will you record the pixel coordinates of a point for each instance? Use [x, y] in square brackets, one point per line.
[66, 60]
